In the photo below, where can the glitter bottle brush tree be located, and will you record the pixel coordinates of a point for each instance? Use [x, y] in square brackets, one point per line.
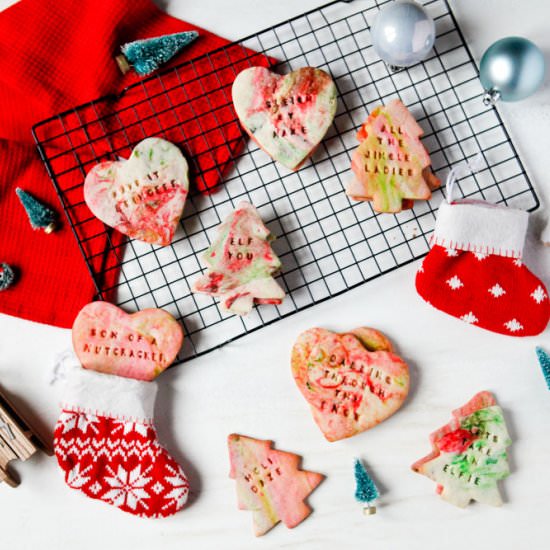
[366, 491]
[146, 56]
[40, 216]
[7, 276]
[544, 362]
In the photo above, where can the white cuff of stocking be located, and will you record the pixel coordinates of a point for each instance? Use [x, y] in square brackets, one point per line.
[109, 395]
[481, 227]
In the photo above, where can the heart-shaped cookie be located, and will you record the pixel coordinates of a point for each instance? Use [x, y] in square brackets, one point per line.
[351, 381]
[286, 115]
[138, 345]
[142, 197]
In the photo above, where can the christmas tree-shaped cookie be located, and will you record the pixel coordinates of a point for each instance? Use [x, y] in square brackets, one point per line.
[147, 55]
[469, 453]
[366, 490]
[270, 483]
[391, 166]
[241, 263]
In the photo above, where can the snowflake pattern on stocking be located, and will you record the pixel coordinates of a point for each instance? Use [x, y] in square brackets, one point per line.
[469, 318]
[127, 487]
[497, 291]
[513, 325]
[454, 282]
[539, 295]
[119, 462]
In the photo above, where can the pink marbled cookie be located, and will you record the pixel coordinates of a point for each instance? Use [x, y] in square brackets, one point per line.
[469, 453]
[352, 381]
[270, 483]
[391, 165]
[241, 263]
[138, 345]
[286, 115]
[142, 197]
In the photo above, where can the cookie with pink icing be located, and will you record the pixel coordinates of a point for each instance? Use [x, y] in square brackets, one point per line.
[391, 166]
[241, 263]
[269, 482]
[352, 381]
[287, 115]
[469, 454]
[138, 345]
[144, 196]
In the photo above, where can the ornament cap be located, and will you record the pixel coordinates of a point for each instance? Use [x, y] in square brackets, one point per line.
[122, 63]
[394, 68]
[491, 97]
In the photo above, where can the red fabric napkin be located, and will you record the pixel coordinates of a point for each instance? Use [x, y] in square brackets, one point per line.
[53, 56]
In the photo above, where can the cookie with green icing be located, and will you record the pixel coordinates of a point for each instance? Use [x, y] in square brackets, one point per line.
[391, 167]
[241, 263]
[469, 454]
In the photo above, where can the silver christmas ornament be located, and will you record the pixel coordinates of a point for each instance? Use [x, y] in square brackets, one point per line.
[403, 34]
[511, 69]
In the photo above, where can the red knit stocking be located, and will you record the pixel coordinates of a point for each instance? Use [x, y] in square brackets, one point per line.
[107, 446]
[474, 270]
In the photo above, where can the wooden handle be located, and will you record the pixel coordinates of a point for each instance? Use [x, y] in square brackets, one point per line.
[6, 477]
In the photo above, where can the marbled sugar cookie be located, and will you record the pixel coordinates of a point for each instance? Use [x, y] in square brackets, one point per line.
[138, 345]
[391, 166]
[468, 455]
[241, 263]
[352, 381]
[286, 115]
[142, 197]
[270, 483]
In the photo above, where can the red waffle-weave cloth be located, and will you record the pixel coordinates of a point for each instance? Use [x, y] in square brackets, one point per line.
[53, 56]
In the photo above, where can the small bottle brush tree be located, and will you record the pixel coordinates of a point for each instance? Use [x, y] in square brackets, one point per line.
[7, 276]
[146, 56]
[40, 216]
[544, 362]
[366, 491]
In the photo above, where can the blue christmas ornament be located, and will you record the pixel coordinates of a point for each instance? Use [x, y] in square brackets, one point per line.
[511, 69]
[403, 34]
[366, 491]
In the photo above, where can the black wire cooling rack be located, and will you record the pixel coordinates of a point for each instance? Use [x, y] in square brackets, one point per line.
[328, 243]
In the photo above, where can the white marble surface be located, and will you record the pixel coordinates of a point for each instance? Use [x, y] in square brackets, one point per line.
[246, 387]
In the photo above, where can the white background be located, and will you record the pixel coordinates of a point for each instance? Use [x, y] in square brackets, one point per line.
[247, 387]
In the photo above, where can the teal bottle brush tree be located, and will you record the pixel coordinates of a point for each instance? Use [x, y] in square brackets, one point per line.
[366, 491]
[7, 276]
[146, 56]
[544, 362]
[40, 216]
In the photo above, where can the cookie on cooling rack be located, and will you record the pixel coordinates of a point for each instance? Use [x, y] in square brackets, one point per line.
[392, 168]
[142, 197]
[286, 115]
[241, 263]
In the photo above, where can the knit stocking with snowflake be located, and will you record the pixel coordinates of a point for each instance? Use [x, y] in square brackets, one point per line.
[107, 446]
[474, 270]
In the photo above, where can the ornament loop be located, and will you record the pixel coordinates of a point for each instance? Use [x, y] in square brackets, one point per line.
[459, 171]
